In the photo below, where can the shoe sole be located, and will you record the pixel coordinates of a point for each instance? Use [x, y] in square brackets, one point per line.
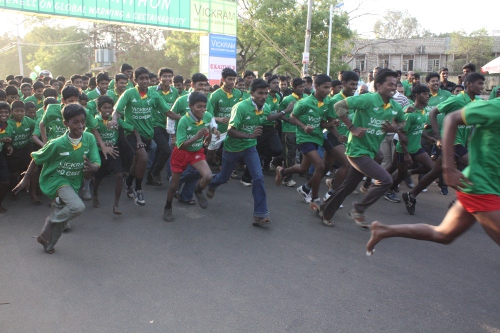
[406, 199]
[202, 200]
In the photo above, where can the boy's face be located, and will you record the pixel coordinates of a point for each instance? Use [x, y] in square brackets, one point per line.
[259, 96]
[350, 87]
[38, 93]
[274, 86]
[178, 86]
[55, 85]
[229, 82]
[166, 79]
[388, 88]
[433, 84]
[128, 72]
[299, 90]
[18, 114]
[78, 83]
[423, 98]
[85, 84]
[187, 85]
[400, 89]
[4, 115]
[241, 85]
[457, 90]
[103, 86]
[120, 85]
[143, 81]
[106, 110]
[31, 113]
[198, 109]
[26, 91]
[199, 86]
[323, 90]
[76, 126]
[153, 81]
[248, 80]
[337, 89]
[70, 100]
[83, 102]
[12, 98]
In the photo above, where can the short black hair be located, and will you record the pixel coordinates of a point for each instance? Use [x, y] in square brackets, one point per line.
[70, 91]
[125, 67]
[178, 78]
[72, 110]
[272, 78]
[196, 97]
[75, 77]
[10, 77]
[101, 100]
[52, 81]
[11, 90]
[61, 78]
[187, 81]
[50, 92]
[350, 76]
[266, 74]
[50, 100]
[120, 76]
[152, 75]
[5, 106]
[85, 77]
[399, 72]
[429, 76]
[139, 71]
[470, 66]
[248, 73]
[164, 70]
[473, 78]
[416, 76]
[83, 97]
[443, 69]
[198, 77]
[336, 83]
[308, 79]
[258, 84]
[383, 74]
[227, 72]
[27, 80]
[283, 78]
[321, 79]
[18, 104]
[418, 89]
[102, 76]
[38, 85]
[30, 105]
[18, 77]
[297, 82]
[24, 85]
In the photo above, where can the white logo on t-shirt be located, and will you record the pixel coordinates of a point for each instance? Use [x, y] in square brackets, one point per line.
[247, 117]
[134, 101]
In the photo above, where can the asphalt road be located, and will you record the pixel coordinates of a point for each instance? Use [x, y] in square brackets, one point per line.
[212, 271]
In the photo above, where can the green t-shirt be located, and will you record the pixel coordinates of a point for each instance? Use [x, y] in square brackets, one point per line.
[244, 118]
[21, 132]
[110, 135]
[407, 85]
[414, 127]
[181, 107]
[435, 100]
[342, 128]
[183, 92]
[454, 103]
[493, 93]
[169, 97]
[53, 121]
[274, 104]
[63, 163]
[187, 128]
[285, 125]
[246, 94]
[311, 112]
[38, 102]
[371, 113]
[114, 95]
[137, 110]
[484, 156]
[5, 133]
[111, 85]
[93, 94]
[223, 103]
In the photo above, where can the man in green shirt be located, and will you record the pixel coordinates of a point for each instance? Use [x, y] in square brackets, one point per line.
[128, 71]
[121, 82]
[478, 187]
[179, 85]
[37, 96]
[474, 84]
[102, 80]
[376, 114]
[223, 100]
[408, 83]
[136, 106]
[244, 128]
[169, 95]
[64, 161]
[5, 139]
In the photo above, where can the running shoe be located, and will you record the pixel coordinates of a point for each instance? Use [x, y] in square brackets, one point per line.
[167, 215]
[444, 190]
[139, 198]
[86, 194]
[392, 197]
[306, 196]
[409, 182]
[410, 203]
[128, 189]
[244, 183]
[289, 183]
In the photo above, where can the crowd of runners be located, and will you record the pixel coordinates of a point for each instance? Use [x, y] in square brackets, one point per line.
[61, 137]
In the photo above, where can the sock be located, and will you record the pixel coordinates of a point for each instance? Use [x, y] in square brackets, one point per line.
[138, 184]
[306, 188]
[86, 184]
[130, 179]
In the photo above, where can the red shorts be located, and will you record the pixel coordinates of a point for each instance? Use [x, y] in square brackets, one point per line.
[475, 203]
[181, 158]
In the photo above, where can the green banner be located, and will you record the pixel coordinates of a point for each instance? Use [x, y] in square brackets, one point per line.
[215, 16]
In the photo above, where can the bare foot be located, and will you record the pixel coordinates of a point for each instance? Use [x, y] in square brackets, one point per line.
[45, 244]
[377, 229]
[116, 210]
[2, 210]
[95, 200]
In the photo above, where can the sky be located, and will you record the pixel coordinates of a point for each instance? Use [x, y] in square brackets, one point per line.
[438, 16]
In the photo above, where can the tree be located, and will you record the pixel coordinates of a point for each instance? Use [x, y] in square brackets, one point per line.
[8, 56]
[398, 25]
[476, 47]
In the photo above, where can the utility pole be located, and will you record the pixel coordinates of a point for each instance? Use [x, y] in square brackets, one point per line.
[329, 41]
[19, 52]
[305, 56]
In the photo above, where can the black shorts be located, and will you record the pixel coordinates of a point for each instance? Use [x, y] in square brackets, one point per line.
[132, 142]
[4, 170]
[110, 165]
[460, 151]
[308, 147]
[19, 160]
[333, 140]
[401, 156]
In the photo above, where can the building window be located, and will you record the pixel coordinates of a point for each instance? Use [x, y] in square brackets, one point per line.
[361, 65]
[384, 63]
[407, 65]
[433, 65]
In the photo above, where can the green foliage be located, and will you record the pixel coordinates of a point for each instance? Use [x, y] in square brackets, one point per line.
[8, 56]
[476, 47]
[183, 52]
[399, 25]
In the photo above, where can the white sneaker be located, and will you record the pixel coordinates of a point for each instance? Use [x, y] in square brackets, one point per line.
[424, 190]
[86, 194]
[272, 167]
[306, 197]
[328, 183]
[289, 183]
[327, 195]
[245, 183]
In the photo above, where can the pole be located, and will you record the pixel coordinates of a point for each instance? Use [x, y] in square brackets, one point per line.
[19, 52]
[308, 38]
[329, 42]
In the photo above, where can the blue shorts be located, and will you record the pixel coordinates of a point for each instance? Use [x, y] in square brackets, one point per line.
[401, 156]
[308, 147]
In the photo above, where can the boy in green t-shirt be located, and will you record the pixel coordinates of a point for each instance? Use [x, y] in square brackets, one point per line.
[192, 129]
[26, 90]
[5, 140]
[64, 161]
[37, 96]
[121, 81]
[102, 80]
[12, 94]
[478, 187]
[109, 136]
[126, 70]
